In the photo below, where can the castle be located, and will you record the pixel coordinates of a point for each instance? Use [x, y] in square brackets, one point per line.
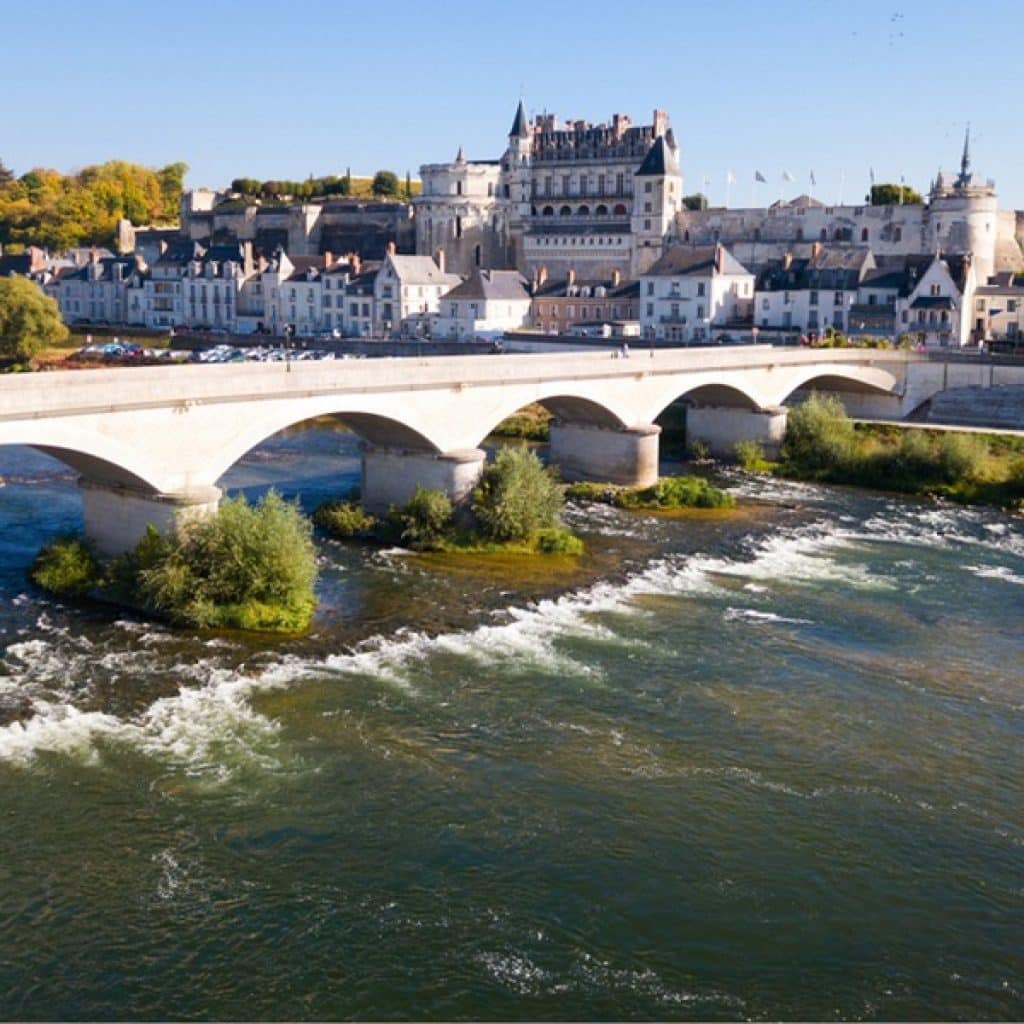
[596, 199]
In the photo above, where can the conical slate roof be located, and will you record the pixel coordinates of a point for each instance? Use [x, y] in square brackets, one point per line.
[520, 126]
[660, 160]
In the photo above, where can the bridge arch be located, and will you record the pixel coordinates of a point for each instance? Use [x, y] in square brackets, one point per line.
[102, 459]
[714, 393]
[377, 430]
[566, 408]
[860, 388]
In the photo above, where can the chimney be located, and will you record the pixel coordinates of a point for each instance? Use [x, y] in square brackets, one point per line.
[328, 258]
[787, 260]
[542, 276]
[355, 263]
[94, 256]
[660, 122]
[719, 258]
[816, 248]
[439, 259]
[570, 277]
[616, 278]
[392, 248]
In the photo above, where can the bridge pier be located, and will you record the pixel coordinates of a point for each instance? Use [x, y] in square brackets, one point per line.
[116, 517]
[390, 476]
[720, 427]
[585, 452]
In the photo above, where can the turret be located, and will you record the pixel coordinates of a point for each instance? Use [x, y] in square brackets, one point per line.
[657, 198]
[517, 175]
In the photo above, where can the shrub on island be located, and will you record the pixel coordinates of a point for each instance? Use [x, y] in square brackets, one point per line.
[670, 492]
[249, 567]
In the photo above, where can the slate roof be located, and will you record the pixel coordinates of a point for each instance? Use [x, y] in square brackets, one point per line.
[491, 285]
[559, 289]
[699, 260]
[520, 126]
[932, 302]
[831, 268]
[660, 160]
[421, 270]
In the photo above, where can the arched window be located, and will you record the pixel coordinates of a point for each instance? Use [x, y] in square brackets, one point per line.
[620, 210]
[490, 188]
[686, 236]
[863, 234]
[565, 211]
[458, 227]
[548, 211]
[584, 210]
[477, 253]
[458, 188]
[602, 211]
[824, 235]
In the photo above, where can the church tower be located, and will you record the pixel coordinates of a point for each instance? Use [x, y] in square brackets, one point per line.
[657, 198]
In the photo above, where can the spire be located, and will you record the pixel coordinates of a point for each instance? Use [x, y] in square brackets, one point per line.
[660, 160]
[460, 157]
[965, 160]
[520, 126]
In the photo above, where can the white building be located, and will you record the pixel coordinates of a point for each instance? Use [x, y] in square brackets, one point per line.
[490, 301]
[691, 292]
[407, 287]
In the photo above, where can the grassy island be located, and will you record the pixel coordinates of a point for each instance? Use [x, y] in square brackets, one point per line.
[822, 444]
[671, 492]
[516, 509]
[249, 567]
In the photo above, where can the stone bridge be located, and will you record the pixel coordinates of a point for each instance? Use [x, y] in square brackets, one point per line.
[151, 441]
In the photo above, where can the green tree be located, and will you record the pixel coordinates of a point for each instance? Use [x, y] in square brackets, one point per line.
[697, 201]
[29, 320]
[893, 195]
[819, 436]
[249, 566]
[424, 519]
[6, 175]
[385, 183]
[517, 496]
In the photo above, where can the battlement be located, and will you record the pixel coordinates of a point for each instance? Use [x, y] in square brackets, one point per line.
[553, 142]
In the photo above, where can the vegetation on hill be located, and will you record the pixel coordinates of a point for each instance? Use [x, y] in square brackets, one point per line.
[823, 444]
[530, 424]
[889, 194]
[384, 184]
[248, 567]
[56, 211]
[29, 321]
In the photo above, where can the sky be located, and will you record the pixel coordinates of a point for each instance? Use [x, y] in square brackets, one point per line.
[272, 90]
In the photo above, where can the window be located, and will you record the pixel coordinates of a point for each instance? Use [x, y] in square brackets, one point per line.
[897, 234]
[458, 227]
[647, 225]
[650, 287]
[675, 310]
[980, 305]
[814, 298]
[837, 299]
[936, 289]
[565, 184]
[700, 312]
[700, 289]
[786, 298]
[647, 186]
[765, 305]
[863, 234]
[458, 188]
[1011, 305]
[650, 309]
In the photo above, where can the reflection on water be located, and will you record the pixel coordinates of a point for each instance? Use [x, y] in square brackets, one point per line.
[766, 765]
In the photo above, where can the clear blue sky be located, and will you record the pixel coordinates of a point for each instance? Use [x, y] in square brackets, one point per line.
[275, 90]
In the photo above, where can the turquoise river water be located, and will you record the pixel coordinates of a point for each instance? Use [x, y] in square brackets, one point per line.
[760, 765]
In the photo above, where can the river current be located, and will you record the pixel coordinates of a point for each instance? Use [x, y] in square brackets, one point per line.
[757, 765]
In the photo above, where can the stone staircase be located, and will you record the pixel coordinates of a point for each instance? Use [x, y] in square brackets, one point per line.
[998, 407]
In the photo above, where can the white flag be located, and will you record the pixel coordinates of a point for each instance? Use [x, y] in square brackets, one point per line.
[813, 182]
[730, 178]
[786, 176]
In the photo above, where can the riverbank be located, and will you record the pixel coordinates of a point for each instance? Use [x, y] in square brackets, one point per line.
[822, 444]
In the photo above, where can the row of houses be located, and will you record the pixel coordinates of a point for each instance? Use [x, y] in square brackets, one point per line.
[693, 293]
[690, 294]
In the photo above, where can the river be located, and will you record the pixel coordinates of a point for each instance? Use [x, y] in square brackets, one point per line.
[756, 765]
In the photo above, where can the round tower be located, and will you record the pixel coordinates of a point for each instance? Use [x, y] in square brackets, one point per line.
[963, 216]
[517, 181]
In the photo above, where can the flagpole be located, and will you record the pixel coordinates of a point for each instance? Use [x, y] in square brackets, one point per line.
[842, 182]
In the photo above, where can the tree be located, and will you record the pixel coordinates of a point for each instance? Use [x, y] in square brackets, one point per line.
[517, 496]
[894, 195]
[385, 183]
[29, 320]
[6, 175]
[697, 201]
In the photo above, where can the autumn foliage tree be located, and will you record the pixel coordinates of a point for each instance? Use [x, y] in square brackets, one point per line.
[46, 208]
